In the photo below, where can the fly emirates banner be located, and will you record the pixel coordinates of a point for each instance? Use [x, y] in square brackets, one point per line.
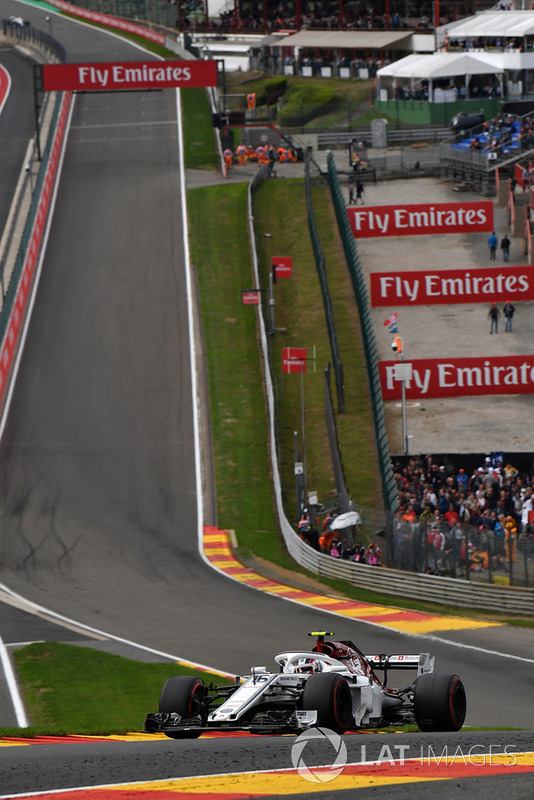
[458, 377]
[421, 218]
[451, 286]
[128, 75]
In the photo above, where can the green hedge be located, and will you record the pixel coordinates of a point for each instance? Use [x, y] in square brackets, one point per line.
[272, 91]
[304, 103]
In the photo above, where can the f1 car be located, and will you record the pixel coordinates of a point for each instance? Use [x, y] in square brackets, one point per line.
[332, 686]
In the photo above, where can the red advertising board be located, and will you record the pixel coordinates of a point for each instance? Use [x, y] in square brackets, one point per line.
[452, 286]
[250, 297]
[460, 377]
[294, 359]
[421, 218]
[114, 76]
[283, 266]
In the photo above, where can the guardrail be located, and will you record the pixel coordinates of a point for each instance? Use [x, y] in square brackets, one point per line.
[43, 42]
[395, 136]
[430, 588]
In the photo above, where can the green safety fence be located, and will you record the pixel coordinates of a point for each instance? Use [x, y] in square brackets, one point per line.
[389, 488]
[327, 303]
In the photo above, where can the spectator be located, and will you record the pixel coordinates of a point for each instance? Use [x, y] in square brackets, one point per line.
[373, 554]
[451, 517]
[505, 247]
[494, 313]
[492, 244]
[461, 479]
[508, 314]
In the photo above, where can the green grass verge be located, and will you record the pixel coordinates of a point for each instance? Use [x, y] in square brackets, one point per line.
[69, 689]
[299, 311]
[200, 152]
[220, 254]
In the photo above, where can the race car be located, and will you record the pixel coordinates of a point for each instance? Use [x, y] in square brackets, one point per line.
[334, 685]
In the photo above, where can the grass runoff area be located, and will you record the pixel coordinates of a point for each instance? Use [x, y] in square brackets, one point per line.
[69, 689]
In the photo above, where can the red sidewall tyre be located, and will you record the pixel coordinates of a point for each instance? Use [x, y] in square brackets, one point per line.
[440, 703]
[178, 696]
[329, 694]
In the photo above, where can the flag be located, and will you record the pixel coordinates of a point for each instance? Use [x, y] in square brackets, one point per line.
[391, 323]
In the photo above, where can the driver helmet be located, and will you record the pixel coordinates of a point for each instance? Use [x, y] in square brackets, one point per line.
[308, 665]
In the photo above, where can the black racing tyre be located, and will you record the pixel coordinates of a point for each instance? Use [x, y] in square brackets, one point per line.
[329, 694]
[439, 702]
[180, 695]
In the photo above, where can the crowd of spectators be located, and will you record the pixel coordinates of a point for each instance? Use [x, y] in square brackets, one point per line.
[325, 15]
[337, 542]
[504, 44]
[452, 521]
[504, 135]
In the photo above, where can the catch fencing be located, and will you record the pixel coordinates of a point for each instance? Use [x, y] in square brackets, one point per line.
[389, 488]
[463, 551]
[323, 282]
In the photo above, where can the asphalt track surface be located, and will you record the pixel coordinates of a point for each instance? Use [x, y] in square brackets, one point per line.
[99, 511]
[75, 765]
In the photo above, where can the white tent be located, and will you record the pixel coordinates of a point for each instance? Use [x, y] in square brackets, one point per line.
[429, 69]
[368, 40]
[492, 25]
[439, 65]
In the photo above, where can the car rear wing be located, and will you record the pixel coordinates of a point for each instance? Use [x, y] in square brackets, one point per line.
[422, 662]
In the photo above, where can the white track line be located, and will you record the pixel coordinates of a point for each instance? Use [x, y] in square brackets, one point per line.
[16, 699]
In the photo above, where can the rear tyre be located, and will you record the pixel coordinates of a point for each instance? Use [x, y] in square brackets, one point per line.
[329, 694]
[181, 695]
[440, 703]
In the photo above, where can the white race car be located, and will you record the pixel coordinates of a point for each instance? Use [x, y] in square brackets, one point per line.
[332, 686]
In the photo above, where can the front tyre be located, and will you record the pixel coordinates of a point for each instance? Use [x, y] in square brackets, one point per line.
[439, 703]
[329, 694]
[181, 695]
